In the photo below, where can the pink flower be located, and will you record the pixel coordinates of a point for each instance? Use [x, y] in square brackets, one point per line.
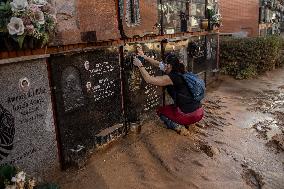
[39, 17]
[46, 8]
[26, 20]
[34, 8]
[30, 29]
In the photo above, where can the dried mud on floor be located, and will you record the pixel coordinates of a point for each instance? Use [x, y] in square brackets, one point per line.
[238, 145]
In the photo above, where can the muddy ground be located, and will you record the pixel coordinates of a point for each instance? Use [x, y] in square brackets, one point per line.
[238, 145]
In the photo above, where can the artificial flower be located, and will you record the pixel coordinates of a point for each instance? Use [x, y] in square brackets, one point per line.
[32, 183]
[16, 26]
[39, 17]
[34, 8]
[39, 2]
[19, 5]
[20, 177]
[30, 29]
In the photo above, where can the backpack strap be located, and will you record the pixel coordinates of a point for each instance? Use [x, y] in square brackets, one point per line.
[184, 81]
[176, 93]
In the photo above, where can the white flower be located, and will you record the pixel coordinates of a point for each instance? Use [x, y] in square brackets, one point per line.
[209, 7]
[39, 17]
[19, 5]
[16, 26]
[21, 177]
[14, 179]
[39, 2]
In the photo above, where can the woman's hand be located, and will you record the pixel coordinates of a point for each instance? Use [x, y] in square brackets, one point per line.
[137, 62]
[140, 51]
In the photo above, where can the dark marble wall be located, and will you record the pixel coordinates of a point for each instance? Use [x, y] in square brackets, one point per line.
[141, 97]
[211, 51]
[27, 132]
[197, 52]
[88, 97]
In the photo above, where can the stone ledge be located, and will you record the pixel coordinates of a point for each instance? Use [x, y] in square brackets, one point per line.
[82, 46]
[23, 58]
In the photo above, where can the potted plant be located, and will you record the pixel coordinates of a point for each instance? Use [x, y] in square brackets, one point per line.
[29, 23]
[12, 178]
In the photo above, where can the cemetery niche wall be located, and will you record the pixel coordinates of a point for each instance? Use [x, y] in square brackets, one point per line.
[197, 53]
[140, 97]
[138, 17]
[27, 131]
[87, 88]
[181, 16]
[211, 51]
[202, 55]
[211, 57]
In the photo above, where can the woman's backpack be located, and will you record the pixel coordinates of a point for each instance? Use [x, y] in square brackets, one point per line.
[195, 85]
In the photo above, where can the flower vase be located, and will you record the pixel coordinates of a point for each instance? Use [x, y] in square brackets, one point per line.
[10, 44]
[31, 43]
[204, 24]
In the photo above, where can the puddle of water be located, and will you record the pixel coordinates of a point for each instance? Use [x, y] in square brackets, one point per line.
[251, 118]
[274, 130]
[267, 128]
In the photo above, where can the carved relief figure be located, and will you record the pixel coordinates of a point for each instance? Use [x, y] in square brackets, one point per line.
[7, 132]
[72, 91]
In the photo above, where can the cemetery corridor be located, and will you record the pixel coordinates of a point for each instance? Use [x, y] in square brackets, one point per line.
[239, 144]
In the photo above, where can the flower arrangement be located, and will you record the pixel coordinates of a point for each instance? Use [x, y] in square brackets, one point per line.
[215, 18]
[22, 19]
[11, 178]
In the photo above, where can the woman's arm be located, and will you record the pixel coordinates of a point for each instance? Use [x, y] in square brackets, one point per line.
[152, 61]
[158, 80]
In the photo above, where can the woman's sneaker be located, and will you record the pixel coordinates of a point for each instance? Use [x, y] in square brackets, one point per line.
[180, 129]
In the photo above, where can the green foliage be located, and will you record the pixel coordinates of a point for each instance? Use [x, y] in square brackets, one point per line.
[6, 174]
[249, 57]
[5, 13]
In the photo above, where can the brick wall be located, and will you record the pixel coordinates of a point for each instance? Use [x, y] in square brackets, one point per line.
[239, 15]
[149, 18]
[85, 21]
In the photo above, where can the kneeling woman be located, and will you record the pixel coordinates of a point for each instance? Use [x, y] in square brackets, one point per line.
[185, 111]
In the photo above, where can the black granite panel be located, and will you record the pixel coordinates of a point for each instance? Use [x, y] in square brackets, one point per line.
[141, 97]
[87, 88]
[211, 52]
[197, 53]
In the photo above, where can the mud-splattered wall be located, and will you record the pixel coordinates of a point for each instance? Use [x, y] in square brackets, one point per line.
[27, 132]
[88, 98]
[141, 97]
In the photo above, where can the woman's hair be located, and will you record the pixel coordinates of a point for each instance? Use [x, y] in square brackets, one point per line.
[176, 65]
